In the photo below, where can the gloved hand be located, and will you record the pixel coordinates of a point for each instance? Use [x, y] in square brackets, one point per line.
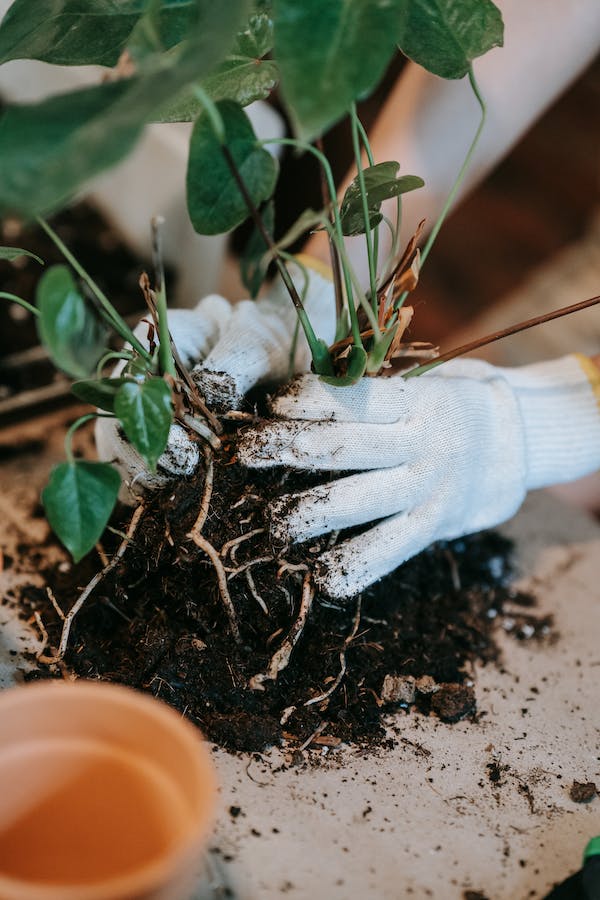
[439, 456]
[229, 349]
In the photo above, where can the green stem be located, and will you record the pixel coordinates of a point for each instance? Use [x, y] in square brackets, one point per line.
[315, 345]
[459, 179]
[292, 142]
[77, 424]
[165, 355]
[119, 324]
[365, 206]
[112, 354]
[365, 140]
[14, 299]
[356, 282]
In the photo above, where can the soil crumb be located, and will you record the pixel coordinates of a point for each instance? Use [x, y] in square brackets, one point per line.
[583, 792]
[158, 622]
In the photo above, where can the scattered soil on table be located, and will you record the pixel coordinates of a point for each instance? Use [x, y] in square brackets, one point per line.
[157, 622]
[583, 791]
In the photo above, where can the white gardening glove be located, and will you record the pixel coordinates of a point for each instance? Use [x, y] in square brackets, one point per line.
[228, 349]
[438, 456]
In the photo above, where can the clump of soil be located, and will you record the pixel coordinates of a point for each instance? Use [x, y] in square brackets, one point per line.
[583, 791]
[158, 622]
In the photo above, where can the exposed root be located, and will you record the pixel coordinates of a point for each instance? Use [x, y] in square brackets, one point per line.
[255, 594]
[315, 734]
[212, 554]
[343, 668]
[69, 617]
[259, 561]
[291, 567]
[232, 546]
[207, 495]
[281, 657]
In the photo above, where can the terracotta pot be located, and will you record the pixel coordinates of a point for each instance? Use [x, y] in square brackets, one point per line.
[106, 794]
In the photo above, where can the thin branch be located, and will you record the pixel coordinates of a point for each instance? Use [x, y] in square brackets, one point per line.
[505, 332]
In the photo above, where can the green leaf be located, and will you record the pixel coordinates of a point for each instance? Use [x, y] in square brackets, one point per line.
[145, 411]
[445, 36]
[67, 325]
[74, 33]
[49, 149]
[215, 202]
[68, 32]
[15, 252]
[331, 53]
[380, 184]
[78, 499]
[357, 364]
[99, 392]
[243, 76]
[254, 262]
[165, 24]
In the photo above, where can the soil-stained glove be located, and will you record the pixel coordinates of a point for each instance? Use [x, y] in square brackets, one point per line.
[438, 456]
[229, 349]
[255, 346]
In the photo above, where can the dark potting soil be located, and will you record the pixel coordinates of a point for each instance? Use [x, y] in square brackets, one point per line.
[157, 622]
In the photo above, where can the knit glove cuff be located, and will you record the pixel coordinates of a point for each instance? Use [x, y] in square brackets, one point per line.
[559, 402]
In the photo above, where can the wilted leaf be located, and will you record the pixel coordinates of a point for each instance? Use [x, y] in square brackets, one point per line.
[11, 253]
[215, 203]
[380, 184]
[78, 500]
[145, 411]
[331, 53]
[68, 326]
[445, 36]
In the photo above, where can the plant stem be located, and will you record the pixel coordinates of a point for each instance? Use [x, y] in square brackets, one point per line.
[333, 254]
[14, 299]
[459, 179]
[77, 424]
[281, 267]
[119, 324]
[505, 332]
[365, 141]
[165, 356]
[365, 207]
[292, 142]
[112, 354]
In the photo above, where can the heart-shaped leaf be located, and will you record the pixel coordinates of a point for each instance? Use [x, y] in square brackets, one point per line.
[67, 325]
[215, 202]
[78, 500]
[11, 253]
[99, 392]
[445, 36]
[381, 183]
[330, 54]
[145, 412]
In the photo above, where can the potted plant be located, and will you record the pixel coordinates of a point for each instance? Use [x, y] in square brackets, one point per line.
[190, 62]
